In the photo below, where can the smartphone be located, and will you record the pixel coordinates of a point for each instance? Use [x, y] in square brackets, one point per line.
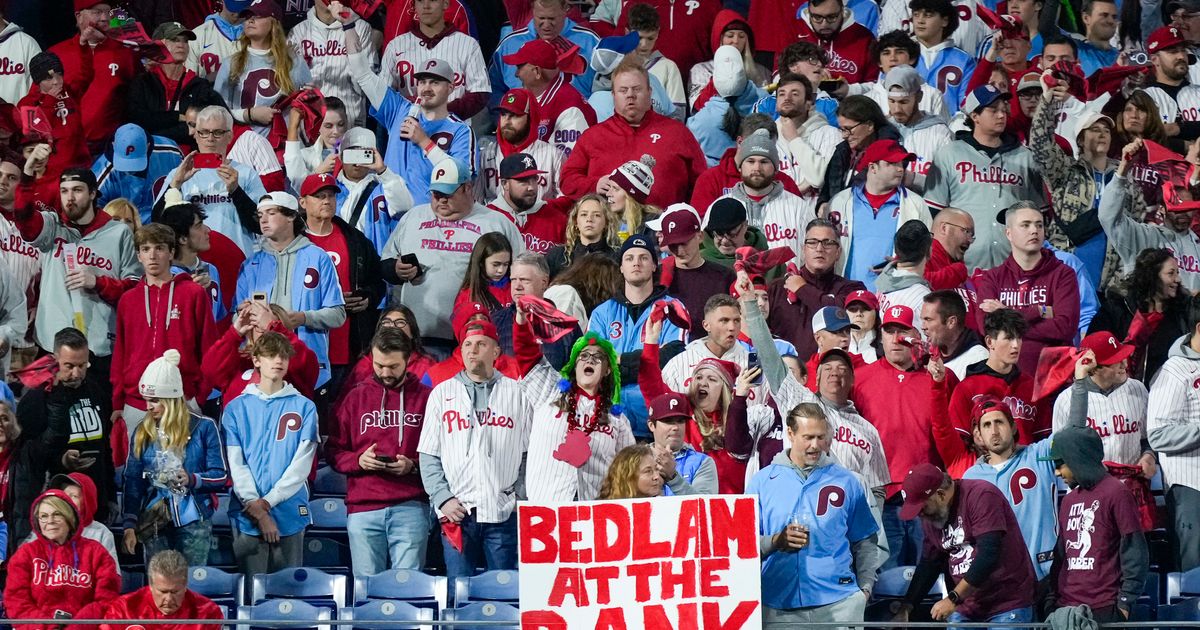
[360, 157]
[829, 85]
[207, 160]
[752, 363]
[387, 459]
[258, 297]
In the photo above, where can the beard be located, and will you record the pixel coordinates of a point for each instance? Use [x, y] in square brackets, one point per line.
[513, 135]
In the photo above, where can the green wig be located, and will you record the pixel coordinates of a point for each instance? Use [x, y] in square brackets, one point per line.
[568, 371]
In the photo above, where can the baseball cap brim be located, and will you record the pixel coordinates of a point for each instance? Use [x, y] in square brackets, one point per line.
[330, 186]
[533, 172]
[835, 352]
[132, 164]
[672, 415]
[1124, 353]
[444, 188]
[432, 75]
[912, 507]
[678, 238]
[999, 96]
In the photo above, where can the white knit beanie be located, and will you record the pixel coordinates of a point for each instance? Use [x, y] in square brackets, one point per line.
[161, 378]
[635, 178]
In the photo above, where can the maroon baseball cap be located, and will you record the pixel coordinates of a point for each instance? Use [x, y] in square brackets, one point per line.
[884, 151]
[679, 227]
[317, 182]
[670, 405]
[1107, 349]
[538, 52]
[1164, 37]
[918, 486]
[901, 315]
[864, 296]
[517, 101]
[263, 8]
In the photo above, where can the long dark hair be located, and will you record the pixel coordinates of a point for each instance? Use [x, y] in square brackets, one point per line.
[1143, 283]
[595, 277]
[476, 280]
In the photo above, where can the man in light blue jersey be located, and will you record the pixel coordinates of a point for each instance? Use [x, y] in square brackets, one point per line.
[817, 537]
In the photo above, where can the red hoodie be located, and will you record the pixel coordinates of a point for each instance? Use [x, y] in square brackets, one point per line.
[901, 406]
[140, 605]
[229, 370]
[685, 26]
[775, 24]
[153, 319]
[389, 418]
[557, 98]
[850, 54]
[45, 577]
[679, 161]
[1050, 283]
[65, 117]
[724, 20]
[1034, 422]
[113, 67]
[717, 181]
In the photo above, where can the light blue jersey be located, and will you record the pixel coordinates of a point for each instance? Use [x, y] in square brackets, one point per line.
[833, 504]
[164, 156]
[207, 190]
[271, 440]
[949, 73]
[409, 160]
[1029, 485]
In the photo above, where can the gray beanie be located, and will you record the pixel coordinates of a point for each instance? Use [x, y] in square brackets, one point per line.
[758, 143]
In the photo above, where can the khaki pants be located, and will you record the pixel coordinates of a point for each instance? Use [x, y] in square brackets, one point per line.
[849, 610]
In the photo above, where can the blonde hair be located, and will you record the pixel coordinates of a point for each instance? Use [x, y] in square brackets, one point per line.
[712, 434]
[634, 215]
[281, 54]
[610, 227]
[123, 209]
[61, 506]
[622, 479]
[176, 428]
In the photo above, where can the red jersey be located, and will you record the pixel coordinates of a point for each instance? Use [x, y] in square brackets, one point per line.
[1014, 388]
[334, 244]
[686, 26]
[65, 117]
[543, 227]
[103, 103]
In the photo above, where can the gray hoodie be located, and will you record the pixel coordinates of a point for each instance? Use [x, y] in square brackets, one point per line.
[1173, 416]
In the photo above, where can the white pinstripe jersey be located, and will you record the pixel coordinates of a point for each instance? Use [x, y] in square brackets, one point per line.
[209, 50]
[677, 373]
[322, 47]
[547, 157]
[548, 479]
[406, 52]
[1184, 107]
[480, 452]
[1119, 418]
[1175, 400]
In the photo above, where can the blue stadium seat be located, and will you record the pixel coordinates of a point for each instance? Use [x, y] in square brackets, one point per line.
[405, 585]
[385, 610]
[329, 483]
[491, 586]
[225, 589]
[310, 585]
[285, 610]
[1185, 610]
[893, 583]
[1152, 592]
[328, 516]
[132, 581]
[484, 611]
[1182, 585]
[325, 553]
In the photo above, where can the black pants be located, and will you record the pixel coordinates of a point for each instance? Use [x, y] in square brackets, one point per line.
[1183, 503]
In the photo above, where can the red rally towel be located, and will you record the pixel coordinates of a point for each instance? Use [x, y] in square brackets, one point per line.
[758, 263]
[549, 324]
[673, 311]
[1056, 368]
[1139, 487]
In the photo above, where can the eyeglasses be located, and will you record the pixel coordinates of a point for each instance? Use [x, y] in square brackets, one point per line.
[849, 130]
[823, 243]
[817, 18]
[812, 59]
[46, 518]
[393, 323]
[591, 358]
[205, 134]
[968, 231]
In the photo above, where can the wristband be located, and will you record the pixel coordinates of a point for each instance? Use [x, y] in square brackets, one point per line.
[429, 146]
[349, 26]
[954, 597]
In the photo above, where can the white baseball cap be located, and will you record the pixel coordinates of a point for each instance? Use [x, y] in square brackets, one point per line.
[279, 199]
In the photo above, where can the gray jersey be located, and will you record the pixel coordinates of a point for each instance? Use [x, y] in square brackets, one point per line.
[1130, 236]
[964, 177]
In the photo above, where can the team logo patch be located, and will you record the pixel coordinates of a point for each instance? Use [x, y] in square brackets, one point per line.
[312, 278]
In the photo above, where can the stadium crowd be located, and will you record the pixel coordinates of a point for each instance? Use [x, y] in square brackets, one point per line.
[919, 274]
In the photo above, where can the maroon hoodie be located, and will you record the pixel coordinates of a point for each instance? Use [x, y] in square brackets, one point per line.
[389, 418]
[791, 313]
[1050, 283]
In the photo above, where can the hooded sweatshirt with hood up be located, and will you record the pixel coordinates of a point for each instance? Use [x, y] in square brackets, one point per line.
[45, 577]
[1101, 559]
[902, 287]
[1051, 283]
[88, 527]
[302, 278]
[700, 84]
[152, 319]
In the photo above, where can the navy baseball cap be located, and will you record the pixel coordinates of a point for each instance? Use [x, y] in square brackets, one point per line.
[832, 319]
[640, 240]
[983, 96]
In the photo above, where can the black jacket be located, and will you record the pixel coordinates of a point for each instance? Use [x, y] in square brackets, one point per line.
[26, 480]
[1116, 313]
[365, 279]
[558, 261]
[841, 165]
[148, 107]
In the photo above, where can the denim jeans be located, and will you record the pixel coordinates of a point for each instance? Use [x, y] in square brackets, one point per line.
[904, 538]
[192, 540]
[1020, 615]
[397, 534]
[491, 545]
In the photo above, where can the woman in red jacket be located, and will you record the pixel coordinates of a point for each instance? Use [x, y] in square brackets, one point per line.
[60, 572]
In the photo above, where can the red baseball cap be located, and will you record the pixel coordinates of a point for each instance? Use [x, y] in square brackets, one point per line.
[538, 52]
[884, 151]
[864, 296]
[986, 404]
[920, 484]
[1164, 37]
[483, 327]
[466, 314]
[517, 101]
[670, 405]
[898, 315]
[679, 227]
[317, 182]
[1107, 349]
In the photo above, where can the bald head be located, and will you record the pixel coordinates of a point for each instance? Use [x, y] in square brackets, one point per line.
[954, 229]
